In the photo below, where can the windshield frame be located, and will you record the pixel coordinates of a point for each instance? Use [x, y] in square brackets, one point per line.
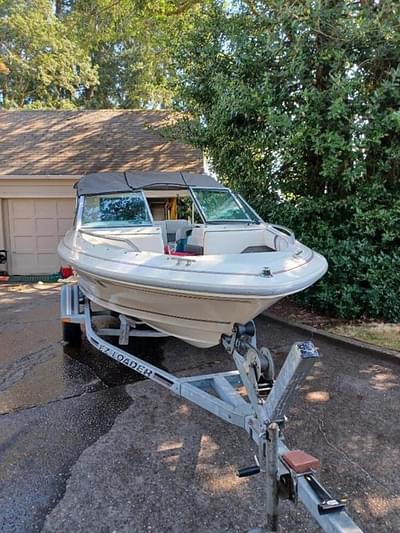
[81, 207]
[257, 219]
[246, 220]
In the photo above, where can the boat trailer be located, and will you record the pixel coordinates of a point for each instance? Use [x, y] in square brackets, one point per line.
[250, 397]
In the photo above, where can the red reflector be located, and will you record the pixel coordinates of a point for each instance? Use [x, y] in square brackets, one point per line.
[66, 272]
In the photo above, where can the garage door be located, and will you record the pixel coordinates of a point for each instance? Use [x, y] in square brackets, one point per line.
[36, 227]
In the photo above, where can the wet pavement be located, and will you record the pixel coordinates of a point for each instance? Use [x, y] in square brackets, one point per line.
[38, 448]
[52, 405]
[86, 445]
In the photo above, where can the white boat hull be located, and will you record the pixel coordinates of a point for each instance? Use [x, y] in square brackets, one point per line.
[198, 319]
[196, 299]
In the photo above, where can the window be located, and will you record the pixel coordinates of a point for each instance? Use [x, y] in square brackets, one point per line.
[220, 205]
[249, 210]
[115, 210]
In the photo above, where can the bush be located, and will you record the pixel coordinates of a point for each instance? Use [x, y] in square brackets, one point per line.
[297, 106]
[362, 248]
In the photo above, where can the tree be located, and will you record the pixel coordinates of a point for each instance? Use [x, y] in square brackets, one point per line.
[297, 104]
[44, 65]
[132, 42]
[98, 54]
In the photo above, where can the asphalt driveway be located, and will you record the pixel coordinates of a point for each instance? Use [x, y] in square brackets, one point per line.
[85, 446]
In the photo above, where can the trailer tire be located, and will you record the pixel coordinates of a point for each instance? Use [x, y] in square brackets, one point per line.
[72, 333]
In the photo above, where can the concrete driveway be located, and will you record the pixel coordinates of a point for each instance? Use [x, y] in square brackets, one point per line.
[86, 447]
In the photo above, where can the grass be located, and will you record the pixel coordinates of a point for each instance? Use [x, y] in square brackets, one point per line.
[387, 335]
[382, 334]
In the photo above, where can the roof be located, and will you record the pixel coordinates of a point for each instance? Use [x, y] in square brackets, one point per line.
[79, 142]
[109, 182]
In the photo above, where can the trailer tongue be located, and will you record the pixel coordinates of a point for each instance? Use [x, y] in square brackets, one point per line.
[260, 412]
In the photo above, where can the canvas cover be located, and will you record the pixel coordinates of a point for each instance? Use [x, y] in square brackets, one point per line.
[109, 182]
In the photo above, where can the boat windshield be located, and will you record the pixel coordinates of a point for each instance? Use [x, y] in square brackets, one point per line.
[220, 205]
[115, 210]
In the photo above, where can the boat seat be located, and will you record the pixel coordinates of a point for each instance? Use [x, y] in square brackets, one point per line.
[161, 224]
[176, 229]
[173, 230]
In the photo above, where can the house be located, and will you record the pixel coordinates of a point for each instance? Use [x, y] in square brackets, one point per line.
[43, 153]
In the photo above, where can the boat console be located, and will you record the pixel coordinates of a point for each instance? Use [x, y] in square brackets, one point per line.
[198, 220]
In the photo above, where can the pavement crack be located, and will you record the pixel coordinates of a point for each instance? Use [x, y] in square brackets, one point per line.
[67, 397]
[17, 370]
[357, 465]
[24, 322]
[88, 390]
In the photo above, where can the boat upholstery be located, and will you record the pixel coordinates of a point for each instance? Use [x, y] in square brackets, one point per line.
[173, 230]
[231, 240]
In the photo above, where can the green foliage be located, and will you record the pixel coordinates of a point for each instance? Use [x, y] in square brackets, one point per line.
[96, 54]
[132, 43]
[45, 65]
[297, 105]
[360, 238]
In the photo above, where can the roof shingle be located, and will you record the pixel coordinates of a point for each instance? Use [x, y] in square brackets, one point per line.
[78, 142]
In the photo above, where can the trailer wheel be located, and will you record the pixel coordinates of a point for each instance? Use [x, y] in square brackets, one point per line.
[72, 333]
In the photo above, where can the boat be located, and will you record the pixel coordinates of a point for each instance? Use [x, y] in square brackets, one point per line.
[181, 253]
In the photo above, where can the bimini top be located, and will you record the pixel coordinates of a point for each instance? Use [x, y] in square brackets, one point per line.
[109, 182]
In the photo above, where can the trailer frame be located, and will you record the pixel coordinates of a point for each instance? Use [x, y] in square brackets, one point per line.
[260, 412]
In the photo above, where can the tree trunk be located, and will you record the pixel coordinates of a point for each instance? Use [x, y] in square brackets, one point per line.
[59, 5]
[89, 92]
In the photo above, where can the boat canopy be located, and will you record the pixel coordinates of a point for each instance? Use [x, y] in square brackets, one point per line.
[110, 182]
